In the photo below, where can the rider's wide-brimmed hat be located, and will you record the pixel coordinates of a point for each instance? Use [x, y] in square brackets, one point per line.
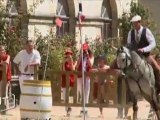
[136, 18]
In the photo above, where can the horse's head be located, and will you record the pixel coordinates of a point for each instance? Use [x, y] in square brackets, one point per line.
[123, 57]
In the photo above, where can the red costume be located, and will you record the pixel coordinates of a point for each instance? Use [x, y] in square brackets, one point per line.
[67, 67]
[88, 68]
[4, 58]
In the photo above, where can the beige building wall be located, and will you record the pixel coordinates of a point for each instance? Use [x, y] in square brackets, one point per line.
[90, 8]
[153, 6]
[4, 3]
[44, 9]
[123, 6]
[44, 13]
[89, 30]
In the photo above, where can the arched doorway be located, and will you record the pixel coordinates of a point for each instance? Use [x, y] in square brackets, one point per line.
[109, 10]
[106, 14]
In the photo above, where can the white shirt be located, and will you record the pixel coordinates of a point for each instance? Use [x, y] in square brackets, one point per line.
[85, 64]
[106, 67]
[23, 59]
[149, 36]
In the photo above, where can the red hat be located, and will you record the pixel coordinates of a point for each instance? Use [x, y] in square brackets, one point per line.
[85, 46]
[68, 50]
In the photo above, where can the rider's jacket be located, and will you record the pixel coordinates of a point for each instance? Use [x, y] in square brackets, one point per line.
[142, 42]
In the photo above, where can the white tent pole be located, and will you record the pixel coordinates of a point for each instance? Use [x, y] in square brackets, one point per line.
[83, 80]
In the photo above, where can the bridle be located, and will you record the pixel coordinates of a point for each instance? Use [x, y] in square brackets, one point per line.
[128, 58]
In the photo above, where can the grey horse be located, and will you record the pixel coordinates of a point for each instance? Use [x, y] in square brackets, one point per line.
[139, 78]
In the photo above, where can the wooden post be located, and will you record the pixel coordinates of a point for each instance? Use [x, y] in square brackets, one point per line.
[75, 88]
[52, 78]
[123, 93]
[67, 88]
[91, 88]
[3, 86]
[36, 72]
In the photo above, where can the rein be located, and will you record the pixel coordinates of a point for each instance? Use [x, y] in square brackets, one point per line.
[136, 68]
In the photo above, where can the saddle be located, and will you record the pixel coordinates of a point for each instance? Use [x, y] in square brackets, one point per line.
[153, 61]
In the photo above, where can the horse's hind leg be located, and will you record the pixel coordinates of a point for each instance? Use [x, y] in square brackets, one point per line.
[150, 96]
[155, 104]
[155, 108]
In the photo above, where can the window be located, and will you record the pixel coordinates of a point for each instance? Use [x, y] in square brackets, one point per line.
[12, 11]
[62, 8]
[106, 28]
[60, 31]
[62, 12]
[104, 13]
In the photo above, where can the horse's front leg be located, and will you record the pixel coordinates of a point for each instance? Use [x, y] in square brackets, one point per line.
[135, 108]
[134, 91]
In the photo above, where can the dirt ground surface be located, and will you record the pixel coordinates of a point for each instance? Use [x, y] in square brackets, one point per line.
[58, 113]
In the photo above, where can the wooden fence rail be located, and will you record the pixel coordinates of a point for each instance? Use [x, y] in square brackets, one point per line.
[71, 97]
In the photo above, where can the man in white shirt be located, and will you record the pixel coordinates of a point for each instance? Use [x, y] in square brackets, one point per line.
[25, 61]
[135, 35]
[142, 40]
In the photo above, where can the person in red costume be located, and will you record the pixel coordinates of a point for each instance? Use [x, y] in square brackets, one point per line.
[68, 65]
[88, 60]
[5, 59]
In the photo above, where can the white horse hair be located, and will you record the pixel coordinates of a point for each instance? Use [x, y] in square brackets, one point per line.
[139, 78]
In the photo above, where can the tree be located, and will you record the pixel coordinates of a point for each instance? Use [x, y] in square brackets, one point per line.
[9, 35]
[104, 48]
[53, 47]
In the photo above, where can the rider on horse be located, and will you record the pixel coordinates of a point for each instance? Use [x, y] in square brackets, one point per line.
[142, 40]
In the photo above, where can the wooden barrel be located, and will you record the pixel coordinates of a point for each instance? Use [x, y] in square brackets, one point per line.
[36, 100]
